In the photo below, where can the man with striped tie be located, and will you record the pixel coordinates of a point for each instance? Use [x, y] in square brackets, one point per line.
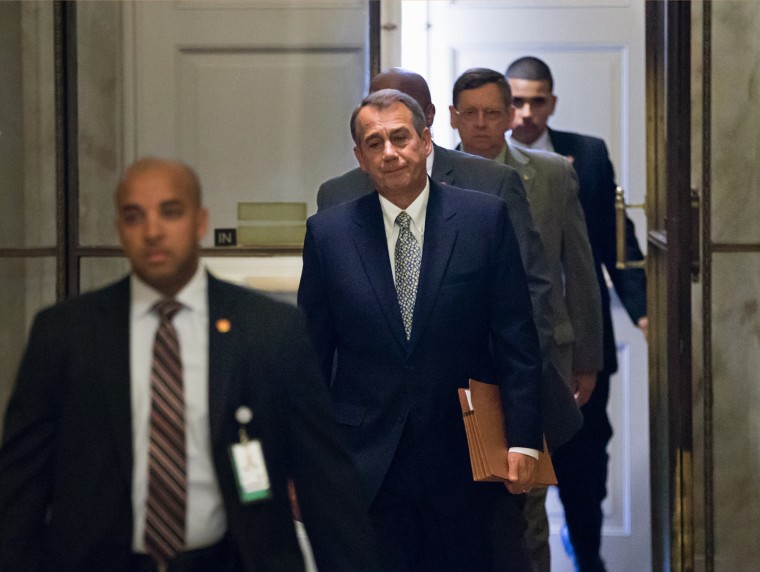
[155, 422]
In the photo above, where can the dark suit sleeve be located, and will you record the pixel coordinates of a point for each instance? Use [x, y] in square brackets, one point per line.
[324, 196]
[347, 187]
[630, 284]
[313, 299]
[514, 340]
[532, 255]
[333, 506]
[26, 456]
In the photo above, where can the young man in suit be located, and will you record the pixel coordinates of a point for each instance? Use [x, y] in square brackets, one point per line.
[582, 464]
[414, 289]
[482, 112]
[466, 171]
[117, 445]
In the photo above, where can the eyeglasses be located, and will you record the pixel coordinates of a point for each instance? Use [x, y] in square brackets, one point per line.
[490, 115]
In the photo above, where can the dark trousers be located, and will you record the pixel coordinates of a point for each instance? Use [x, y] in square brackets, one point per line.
[581, 467]
[221, 557]
[414, 537]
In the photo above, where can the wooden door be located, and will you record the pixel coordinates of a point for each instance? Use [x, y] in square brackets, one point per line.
[255, 94]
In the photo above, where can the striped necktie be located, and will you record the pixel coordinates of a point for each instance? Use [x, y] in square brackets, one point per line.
[165, 505]
[407, 258]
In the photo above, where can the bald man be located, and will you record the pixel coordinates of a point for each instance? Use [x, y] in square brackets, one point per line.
[118, 450]
[469, 172]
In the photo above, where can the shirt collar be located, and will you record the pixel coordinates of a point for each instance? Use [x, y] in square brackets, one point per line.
[502, 156]
[416, 210]
[192, 296]
[543, 143]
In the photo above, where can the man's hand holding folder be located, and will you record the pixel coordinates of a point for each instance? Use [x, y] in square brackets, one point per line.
[489, 456]
[521, 477]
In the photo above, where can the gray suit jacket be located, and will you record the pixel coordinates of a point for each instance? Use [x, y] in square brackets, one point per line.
[475, 173]
[552, 188]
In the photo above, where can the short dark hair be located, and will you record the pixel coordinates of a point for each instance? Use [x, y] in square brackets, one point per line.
[383, 99]
[478, 77]
[531, 68]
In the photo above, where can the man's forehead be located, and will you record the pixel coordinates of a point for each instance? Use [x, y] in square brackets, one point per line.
[394, 117]
[488, 92]
[154, 186]
[528, 86]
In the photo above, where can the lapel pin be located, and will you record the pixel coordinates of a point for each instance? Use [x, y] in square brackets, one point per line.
[243, 415]
[223, 326]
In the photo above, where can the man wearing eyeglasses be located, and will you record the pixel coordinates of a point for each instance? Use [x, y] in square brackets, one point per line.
[581, 464]
[482, 113]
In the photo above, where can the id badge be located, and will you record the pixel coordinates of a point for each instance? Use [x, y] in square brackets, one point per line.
[250, 471]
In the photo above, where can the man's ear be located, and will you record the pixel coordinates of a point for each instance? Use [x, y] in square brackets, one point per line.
[429, 114]
[359, 157]
[453, 116]
[553, 103]
[427, 139]
[202, 222]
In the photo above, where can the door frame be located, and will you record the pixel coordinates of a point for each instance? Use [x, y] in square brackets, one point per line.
[671, 251]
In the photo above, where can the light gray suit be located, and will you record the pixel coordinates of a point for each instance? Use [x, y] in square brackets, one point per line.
[475, 173]
[552, 187]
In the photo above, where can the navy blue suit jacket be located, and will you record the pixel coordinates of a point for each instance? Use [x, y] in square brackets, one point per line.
[597, 194]
[396, 399]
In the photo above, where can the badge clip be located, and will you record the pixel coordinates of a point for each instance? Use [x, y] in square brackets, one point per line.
[248, 463]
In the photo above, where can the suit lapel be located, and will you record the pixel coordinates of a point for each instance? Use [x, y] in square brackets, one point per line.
[368, 234]
[440, 237]
[443, 169]
[561, 143]
[222, 341]
[113, 321]
[521, 162]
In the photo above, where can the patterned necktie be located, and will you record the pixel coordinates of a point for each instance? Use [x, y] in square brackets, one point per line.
[407, 258]
[165, 505]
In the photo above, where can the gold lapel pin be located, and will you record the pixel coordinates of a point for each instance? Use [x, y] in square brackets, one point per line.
[223, 326]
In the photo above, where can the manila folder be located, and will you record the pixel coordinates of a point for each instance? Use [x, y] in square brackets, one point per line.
[484, 424]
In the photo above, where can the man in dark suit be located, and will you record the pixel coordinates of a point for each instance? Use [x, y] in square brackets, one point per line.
[581, 464]
[117, 449]
[471, 172]
[415, 289]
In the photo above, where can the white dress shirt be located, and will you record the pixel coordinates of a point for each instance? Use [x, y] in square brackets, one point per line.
[206, 521]
[543, 143]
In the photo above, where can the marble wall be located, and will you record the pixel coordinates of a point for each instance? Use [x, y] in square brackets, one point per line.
[734, 307]
[27, 176]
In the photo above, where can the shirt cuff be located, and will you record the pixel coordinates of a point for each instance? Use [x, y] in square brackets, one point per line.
[525, 451]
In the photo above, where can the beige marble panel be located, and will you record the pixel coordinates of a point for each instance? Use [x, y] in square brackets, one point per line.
[735, 122]
[736, 421]
[27, 136]
[99, 54]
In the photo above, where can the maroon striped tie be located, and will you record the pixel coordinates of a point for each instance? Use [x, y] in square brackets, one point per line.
[165, 505]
